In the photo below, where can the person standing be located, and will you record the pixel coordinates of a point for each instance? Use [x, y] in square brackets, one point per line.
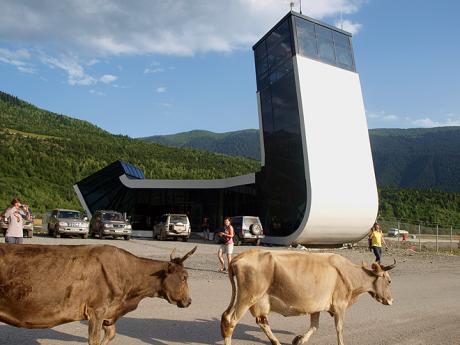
[376, 240]
[206, 227]
[226, 244]
[14, 233]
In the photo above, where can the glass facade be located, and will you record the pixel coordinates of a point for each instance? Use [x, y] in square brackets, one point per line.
[281, 182]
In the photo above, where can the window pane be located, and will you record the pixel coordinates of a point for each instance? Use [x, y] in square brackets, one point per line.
[323, 32]
[344, 56]
[341, 39]
[306, 39]
[326, 50]
[261, 59]
[280, 34]
[279, 52]
[279, 72]
[266, 108]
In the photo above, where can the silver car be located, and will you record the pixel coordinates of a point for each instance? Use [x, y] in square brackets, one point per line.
[110, 224]
[172, 226]
[67, 222]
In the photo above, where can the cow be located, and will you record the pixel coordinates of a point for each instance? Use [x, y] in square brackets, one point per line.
[42, 286]
[298, 283]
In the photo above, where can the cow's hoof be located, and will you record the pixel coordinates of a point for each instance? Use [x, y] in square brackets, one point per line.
[297, 340]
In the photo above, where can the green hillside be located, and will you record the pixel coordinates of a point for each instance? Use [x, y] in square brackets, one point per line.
[417, 158]
[243, 143]
[43, 154]
[406, 158]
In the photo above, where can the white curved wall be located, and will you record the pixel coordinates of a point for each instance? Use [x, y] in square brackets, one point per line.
[342, 201]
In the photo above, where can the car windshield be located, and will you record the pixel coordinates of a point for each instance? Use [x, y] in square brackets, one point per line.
[178, 219]
[69, 214]
[115, 216]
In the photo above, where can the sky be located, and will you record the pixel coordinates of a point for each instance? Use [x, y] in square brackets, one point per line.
[149, 67]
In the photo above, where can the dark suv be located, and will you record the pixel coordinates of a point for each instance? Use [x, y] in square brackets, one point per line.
[248, 229]
[109, 224]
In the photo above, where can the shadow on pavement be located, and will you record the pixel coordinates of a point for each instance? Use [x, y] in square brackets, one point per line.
[200, 331]
[22, 336]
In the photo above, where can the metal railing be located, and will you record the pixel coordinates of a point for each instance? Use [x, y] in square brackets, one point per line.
[421, 236]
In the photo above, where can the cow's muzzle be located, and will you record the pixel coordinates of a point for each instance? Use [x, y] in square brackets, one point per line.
[184, 304]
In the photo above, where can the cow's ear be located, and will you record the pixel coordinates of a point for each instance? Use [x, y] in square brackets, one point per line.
[171, 267]
[377, 269]
[159, 274]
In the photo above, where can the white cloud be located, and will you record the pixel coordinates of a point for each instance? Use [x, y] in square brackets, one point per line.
[76, 74]
[108, 78]
[17, 59]
[382, 119]
[153, 70]
[98, 93]
[349, 26]
[104, 28]
[452, 120]
[161, 89]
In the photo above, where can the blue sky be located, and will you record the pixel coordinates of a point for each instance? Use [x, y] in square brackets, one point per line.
[160, 67]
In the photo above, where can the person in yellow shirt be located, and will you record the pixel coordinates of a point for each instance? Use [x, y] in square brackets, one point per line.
[376, 240]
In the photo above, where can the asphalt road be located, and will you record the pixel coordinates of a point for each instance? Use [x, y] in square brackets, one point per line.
[426, 310]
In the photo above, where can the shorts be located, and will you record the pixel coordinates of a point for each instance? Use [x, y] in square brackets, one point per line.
[14, 240]
[226, 248]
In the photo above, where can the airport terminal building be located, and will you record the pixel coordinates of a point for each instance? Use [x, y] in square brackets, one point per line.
[316, 184]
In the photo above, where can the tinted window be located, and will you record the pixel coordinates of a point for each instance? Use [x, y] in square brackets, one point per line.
[306, 38]
[178, 219]
[68, 214]
[113, 216]
[344, 56]
[326, 49]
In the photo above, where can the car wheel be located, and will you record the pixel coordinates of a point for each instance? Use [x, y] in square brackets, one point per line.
[255, 229]
[127, 238]
[236, 240]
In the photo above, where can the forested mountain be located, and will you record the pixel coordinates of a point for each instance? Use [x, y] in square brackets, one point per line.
[243, 143]
[44, 154]
[405, 158]
[417, 158]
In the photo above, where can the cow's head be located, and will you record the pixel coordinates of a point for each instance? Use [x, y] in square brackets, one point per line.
[174, 287]
[381, 281]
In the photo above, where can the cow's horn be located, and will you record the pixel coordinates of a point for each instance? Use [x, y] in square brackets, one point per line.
[185, 257]
[387, 268]
[172, 254]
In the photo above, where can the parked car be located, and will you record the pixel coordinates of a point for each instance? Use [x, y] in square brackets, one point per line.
[396, 232]
[248, 229]
[109, 224]
[172, 226]
[67, 222]
[28, 226]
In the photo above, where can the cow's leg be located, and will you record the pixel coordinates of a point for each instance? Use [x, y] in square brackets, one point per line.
[314, 325]
[262, 321]
[260, 310]
[95, 328]
[109, 334]
[338, 318]
[230, 318]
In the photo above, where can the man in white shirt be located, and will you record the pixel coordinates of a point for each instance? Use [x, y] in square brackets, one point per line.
[14, 232]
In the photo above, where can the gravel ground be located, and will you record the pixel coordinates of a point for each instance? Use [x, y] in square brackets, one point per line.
[426, 288]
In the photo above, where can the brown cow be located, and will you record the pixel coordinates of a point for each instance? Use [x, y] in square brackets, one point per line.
[43, 286]
[293, 283]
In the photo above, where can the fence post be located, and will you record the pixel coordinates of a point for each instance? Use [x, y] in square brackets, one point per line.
[450, 244]
[437, 235]
[419, 239]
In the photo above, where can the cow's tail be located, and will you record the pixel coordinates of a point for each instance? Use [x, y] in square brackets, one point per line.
[231, 276]
[225, 323]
